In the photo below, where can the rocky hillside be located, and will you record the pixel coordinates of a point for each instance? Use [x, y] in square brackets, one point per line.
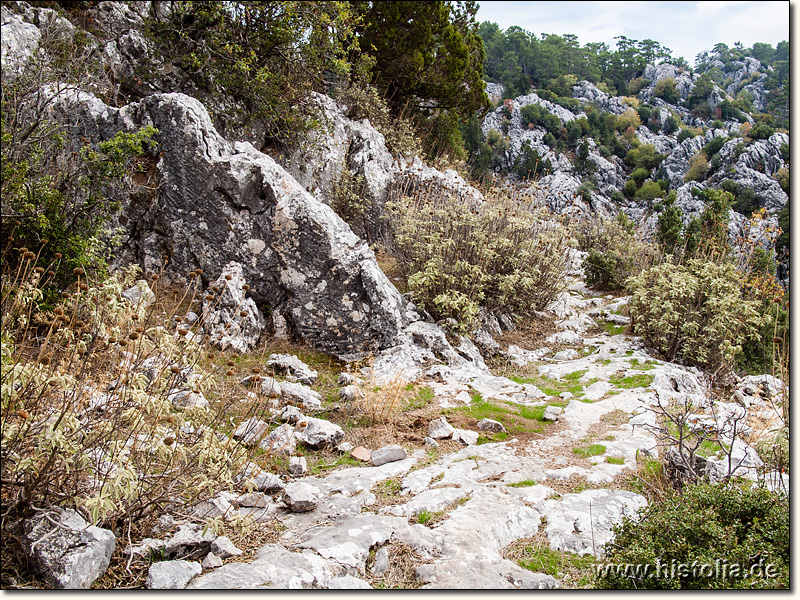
[218, 384]
[592, 175]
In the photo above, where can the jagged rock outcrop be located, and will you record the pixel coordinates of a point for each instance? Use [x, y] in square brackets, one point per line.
[588, 93]
[653, 74]
[347, 156]
[223, 202]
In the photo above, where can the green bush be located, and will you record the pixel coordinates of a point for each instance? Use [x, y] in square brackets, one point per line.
[685, 134]
[615, 252]
[529, 164]
[649, 191]
[705, 525]
[666, 90]
[761, 131]
[639, 175]
[694, 312]
[457, 257]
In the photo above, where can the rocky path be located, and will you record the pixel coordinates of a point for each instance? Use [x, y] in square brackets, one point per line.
[487, 496]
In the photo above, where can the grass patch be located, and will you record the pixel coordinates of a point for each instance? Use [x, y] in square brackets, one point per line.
[708, 448]
[514, 417]
[632, 381]
[575, 375]
[613, 329]
[536, 555]
[645, 366]
[431, 518]
[615, 460]
[587, 451]
[317, 465]
[524, 483]
[421, 398]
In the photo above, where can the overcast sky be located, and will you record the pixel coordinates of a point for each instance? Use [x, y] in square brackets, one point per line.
[687, 28]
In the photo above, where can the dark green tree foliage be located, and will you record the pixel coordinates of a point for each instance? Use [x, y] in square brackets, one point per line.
[708, 234]
[705, 524]
[529, 163]
[670, 225]
[267, 55]
[426, 52]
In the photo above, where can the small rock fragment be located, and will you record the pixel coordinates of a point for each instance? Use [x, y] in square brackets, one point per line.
[551, 413]
[291, 414]
[224, 547]
[491, 425]
[298, 466]
[251, 431]
[260, 479]
[252, 500]
[350, 393]
[469, 438]
[381, 564]
[212, 561]
[71, 555]
[431, 443]
[440, 428]
[388, 454]
[171, 574]
[361, 453]
[318, 433]
[345, 447]
[568, 354]
[286, 363]
[301, 394]
[301, 497]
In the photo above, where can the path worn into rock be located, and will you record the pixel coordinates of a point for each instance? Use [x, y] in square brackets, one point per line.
[489, 495]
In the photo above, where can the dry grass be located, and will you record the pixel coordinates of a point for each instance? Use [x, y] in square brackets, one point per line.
[403, 563]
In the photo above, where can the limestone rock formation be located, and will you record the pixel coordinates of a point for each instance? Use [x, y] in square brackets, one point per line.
[224, 202]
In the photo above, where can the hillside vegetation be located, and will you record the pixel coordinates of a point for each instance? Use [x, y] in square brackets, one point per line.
[369, 294]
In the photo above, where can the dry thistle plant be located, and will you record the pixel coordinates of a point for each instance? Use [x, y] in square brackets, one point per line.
[381, 401]
[103, 401]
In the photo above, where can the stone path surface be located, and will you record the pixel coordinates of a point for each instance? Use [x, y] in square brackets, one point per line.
[492, 494]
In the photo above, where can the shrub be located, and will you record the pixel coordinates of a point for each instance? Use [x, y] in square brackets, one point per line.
[670, 125]
[457, 258]
[761, 131]
[55, 186]
[712, 525]
[529, 164]
[782, 177]
[615, 252]
[630, 118]
[645, 156]
[530, 114]
[685, 134]
[666, 90]
[366, 102]
[649, 191]
[712, 147]
[698, 168]
[639, 175]
[670, 225]
[693, 312]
